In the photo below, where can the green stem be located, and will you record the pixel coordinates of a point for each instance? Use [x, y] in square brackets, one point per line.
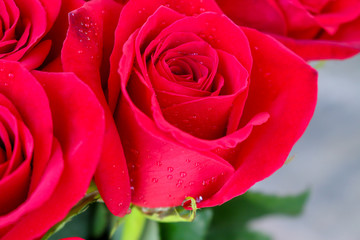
[134, 225]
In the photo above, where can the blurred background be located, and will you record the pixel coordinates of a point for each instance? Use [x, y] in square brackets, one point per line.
[327, 160]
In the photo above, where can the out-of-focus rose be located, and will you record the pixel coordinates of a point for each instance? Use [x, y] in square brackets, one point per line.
[314, 29]
[51, 130]
[206, 109]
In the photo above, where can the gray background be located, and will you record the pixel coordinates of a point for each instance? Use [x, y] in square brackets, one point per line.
[327, 160]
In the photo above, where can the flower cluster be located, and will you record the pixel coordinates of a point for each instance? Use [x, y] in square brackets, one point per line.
[155, 100]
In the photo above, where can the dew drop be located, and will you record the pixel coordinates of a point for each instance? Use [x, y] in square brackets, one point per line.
[128, 211]
[10, 75]
[120, 204]
[204, 183]
[87, 25]
[199, 199]
[191, 183]
[183, 174]
[155, 180]
[80, 52]
[179, 183]
[256, 48]
[132, 188]
[188, 160]
[170, 169]
[170, 177]
[197, 164]
[159, 163]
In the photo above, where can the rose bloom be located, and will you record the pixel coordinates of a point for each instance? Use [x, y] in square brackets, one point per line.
[314, 29]
[24, 24]
[51, 130]
[204, 108]
[30, 30]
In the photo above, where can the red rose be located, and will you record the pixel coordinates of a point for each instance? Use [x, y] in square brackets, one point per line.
[50, 128]
[24, 24]
[314, 29]
[206, 108]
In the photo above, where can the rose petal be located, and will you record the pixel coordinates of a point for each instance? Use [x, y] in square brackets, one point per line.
[83, 44]
[84, 121]
[134, 14]
[268, 17]
[288, 94]
[34, 109]
[44, 190]
[163, 171]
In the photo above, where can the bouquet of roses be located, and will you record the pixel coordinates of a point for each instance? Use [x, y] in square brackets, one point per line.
[162, 107]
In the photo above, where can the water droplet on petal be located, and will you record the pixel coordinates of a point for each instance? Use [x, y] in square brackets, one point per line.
[183, 174]
[170, 177]
[170, 169]
[179, 183]
[155, 180]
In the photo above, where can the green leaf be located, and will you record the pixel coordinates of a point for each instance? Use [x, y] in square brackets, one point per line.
[99, 221]
[195, 230]
[230, 221]
[248, 235]
[80, 207]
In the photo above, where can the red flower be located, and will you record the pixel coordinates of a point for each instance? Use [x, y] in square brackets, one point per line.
[24, 24]
[321, 29]
[206, 108]
[50, 128]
